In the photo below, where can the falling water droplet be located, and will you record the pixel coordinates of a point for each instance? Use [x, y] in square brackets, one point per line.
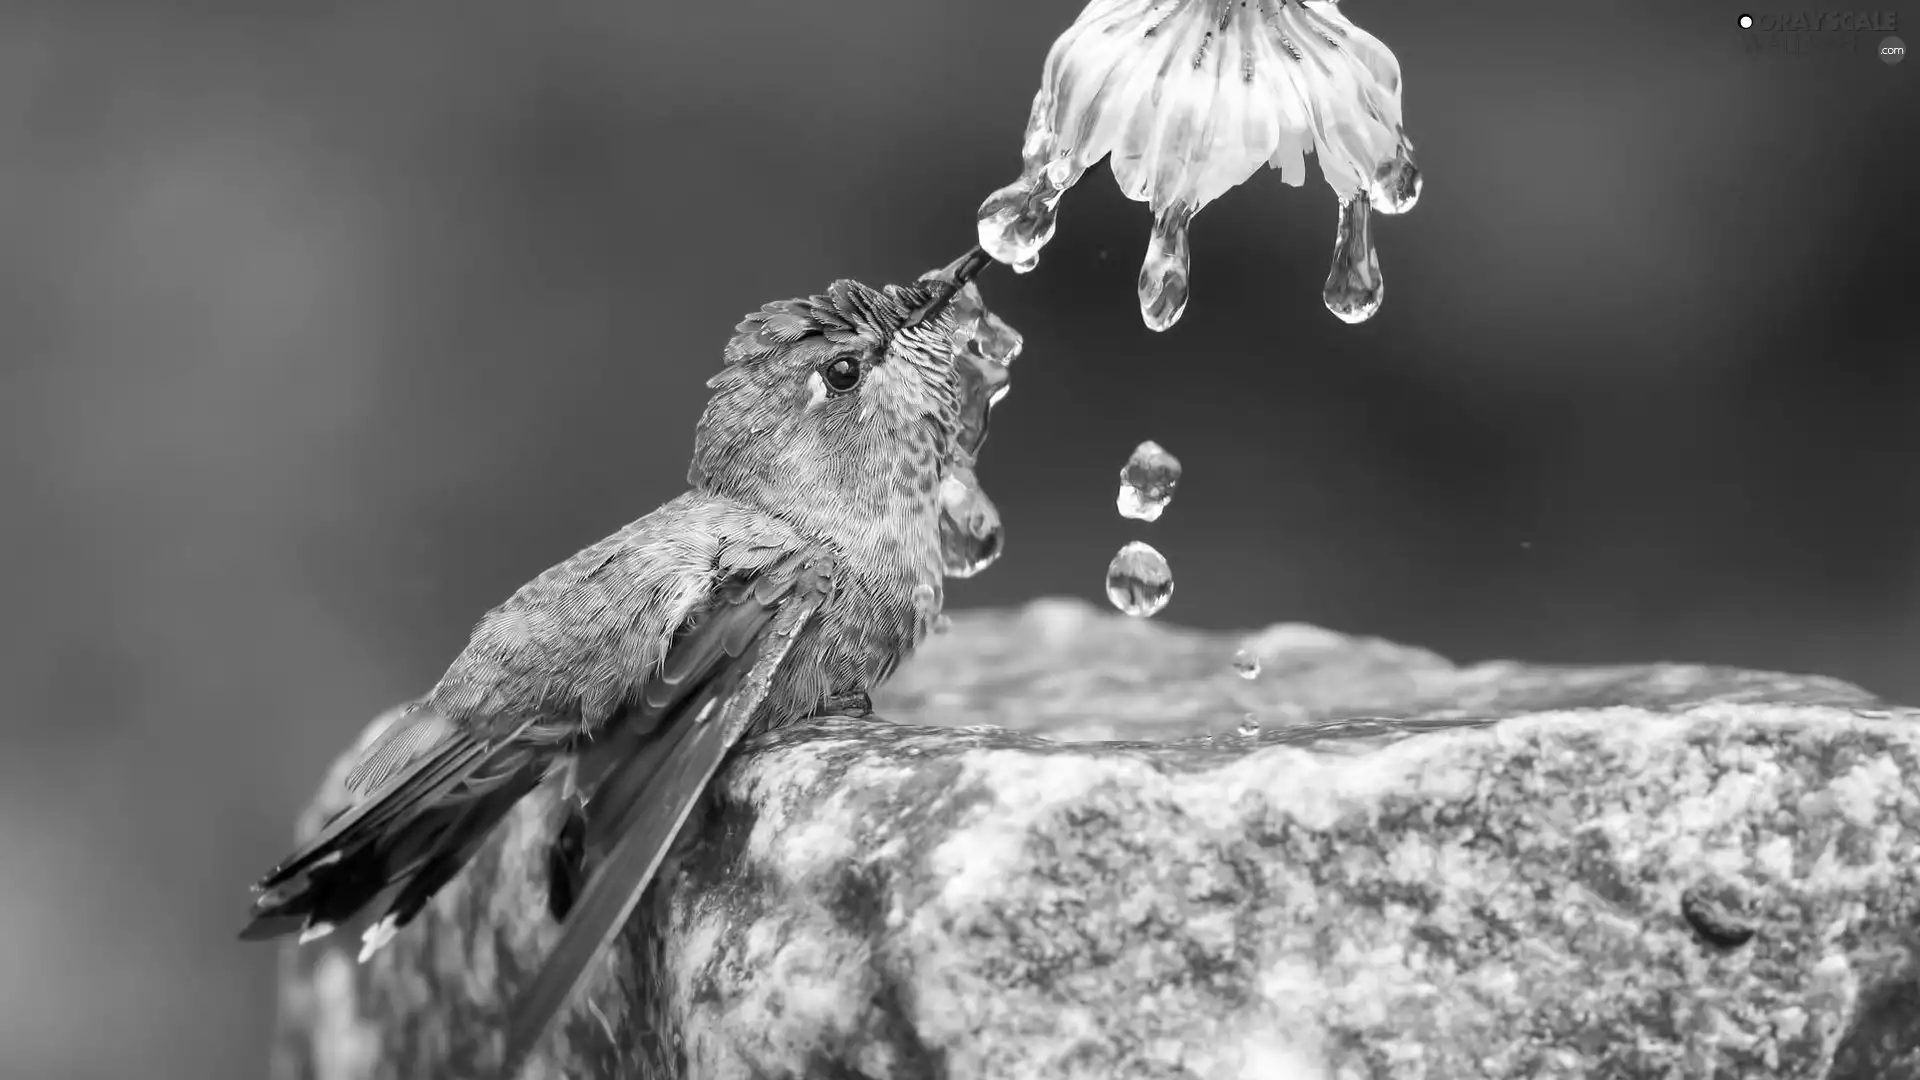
[942, 623]
[1139, 582]
[1397, 183]
[971, 536]
[1147, 482]
[1249, 727]
[1163, 275]
[1246, 665]
[1354, 286]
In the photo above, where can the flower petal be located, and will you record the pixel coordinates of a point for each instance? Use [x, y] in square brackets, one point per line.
[1186, 99]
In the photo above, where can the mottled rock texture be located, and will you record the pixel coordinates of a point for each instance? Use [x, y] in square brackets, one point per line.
[1513, 872]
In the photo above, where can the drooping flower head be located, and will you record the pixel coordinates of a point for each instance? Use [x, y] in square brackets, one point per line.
[1187, 98]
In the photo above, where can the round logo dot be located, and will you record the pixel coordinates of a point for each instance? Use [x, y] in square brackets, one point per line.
[1892, 50]
[1746, 22]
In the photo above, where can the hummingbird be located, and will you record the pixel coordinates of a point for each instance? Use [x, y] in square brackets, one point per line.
[798, 570]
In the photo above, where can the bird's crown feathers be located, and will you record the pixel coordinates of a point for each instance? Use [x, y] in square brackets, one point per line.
[848, 313]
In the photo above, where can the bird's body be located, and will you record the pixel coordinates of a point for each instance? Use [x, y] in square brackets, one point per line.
[802, 566]
[610, 611]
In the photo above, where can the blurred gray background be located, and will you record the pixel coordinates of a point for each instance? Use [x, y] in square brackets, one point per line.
[324, 326]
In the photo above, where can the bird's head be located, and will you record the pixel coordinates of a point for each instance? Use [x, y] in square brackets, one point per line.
[849, 392]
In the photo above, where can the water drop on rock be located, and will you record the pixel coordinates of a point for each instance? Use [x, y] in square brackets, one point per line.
[971, 536]
[1147, 482]
[1249, 727]
[1354, 286]
[1164, 273]
[1397, 183]
[1139, 581]
[1246, 665]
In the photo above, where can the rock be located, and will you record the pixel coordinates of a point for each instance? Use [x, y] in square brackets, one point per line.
[1417, 871]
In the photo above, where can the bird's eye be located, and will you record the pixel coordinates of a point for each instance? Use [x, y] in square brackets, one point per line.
[841, 375]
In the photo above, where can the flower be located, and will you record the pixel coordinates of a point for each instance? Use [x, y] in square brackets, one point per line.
[1187, 98]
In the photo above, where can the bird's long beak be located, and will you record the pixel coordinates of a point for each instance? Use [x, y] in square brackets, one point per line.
[947, 283]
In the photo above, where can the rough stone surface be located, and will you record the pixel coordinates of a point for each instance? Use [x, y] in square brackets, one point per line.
[1416, 871]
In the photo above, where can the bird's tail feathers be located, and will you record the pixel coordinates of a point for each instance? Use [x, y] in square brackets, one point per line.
[672, 769]
[661, 763]
[401, 844]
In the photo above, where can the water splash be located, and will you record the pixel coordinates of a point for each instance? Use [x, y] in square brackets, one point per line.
[1354, 287]
[1249, 727]
[1397, 183]
[988, 337]
[1147, 482]
[1246, 665]
[978, 332]
[1164, 273]
[982, 385]
[1139, 581]
[971, 536]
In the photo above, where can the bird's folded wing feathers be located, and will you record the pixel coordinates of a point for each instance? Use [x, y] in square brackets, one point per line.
[426, 758]
[405, 740]
[436, 769]
[648, 767]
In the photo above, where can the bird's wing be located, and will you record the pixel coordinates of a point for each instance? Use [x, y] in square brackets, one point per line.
[435, 783]
[649, 766]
